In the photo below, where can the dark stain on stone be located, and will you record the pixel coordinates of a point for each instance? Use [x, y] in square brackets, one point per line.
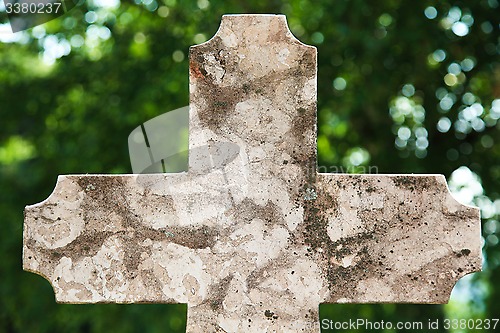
[463, 213]
[151, 282]
[314, 228]
[107, 195]
[463, 252]
[223, 102]
[302, 124]
[279, 34]
[370, 189]
[219, 101]
[191, 237]
[343, 280]
[195, 70]
[246, 88]
[222, 99]
[308, 61]
[149, 201]
[247, 210]
[104, 195]
[414, 183]
[259, 275]
[218, 292]
[256, 277]
[86, 245]
[314, 234]
[439, 271]
[268, 313]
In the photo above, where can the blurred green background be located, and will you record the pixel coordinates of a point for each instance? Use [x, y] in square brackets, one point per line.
[403, 87]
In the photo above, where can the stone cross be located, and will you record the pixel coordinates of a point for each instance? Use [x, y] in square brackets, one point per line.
[258, 244]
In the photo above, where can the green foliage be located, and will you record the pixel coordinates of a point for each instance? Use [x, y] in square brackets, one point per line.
[398, 89]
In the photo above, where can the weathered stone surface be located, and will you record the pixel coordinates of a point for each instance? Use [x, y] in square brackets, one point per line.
[257, 244]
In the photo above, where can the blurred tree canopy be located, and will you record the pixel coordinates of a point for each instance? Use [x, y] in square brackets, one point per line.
[403, 86]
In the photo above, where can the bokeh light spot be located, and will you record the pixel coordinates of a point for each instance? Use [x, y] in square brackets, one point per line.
[339, 83]
[317, 37]
[454, 68]
[439, 55]
[460, 29]
[430, 12]
[199, 38]
[487, 27]
[385, 20]
[467, 64]
[203, 4]
[178, 56]
[450, 79]
[487, 141]
[455, 13]
[163, 11]
[404, 133]
[408, 90]
[90, 17]
[444, 125]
